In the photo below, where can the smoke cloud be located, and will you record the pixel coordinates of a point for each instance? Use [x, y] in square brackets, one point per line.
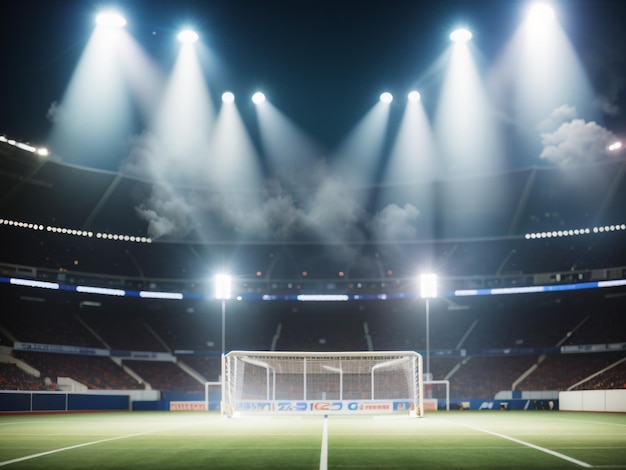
[55, 112]
[395, 222]
[568, 140]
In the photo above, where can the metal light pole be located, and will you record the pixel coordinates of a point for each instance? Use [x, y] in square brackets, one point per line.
[428, 290]
[223, 293]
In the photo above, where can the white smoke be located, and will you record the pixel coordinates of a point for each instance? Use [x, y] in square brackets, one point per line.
[568, 140]
[55, 112]
[395, 222]
[167, 213]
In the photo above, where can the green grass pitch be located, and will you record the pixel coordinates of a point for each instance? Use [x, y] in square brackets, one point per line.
[440, 440]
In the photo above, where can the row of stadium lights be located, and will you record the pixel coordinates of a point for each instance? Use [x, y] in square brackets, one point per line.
[569, 233]
[77, 233]
[114, 20]
[29, 148]
[132, 238]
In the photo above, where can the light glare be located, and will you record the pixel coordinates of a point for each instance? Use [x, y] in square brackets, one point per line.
[460, 35]
[258, 98]
[223, 287]
[110, 20]
[540, 13]
[187, 36]
[428, 286]
[386, 97]
[228, 97]
[414, 96]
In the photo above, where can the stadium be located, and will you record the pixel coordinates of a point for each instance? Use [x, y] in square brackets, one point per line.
[176, 254]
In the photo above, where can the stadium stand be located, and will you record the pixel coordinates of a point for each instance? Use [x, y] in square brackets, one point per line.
[482, 344]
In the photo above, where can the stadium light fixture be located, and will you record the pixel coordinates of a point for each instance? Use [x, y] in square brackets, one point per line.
[188, 36]
[428, 290]
[414, 96]
[386, 97]
[615, 146]
[110, 20]
[258, 98]
[223, 292]
[460, 35]
[228, 97]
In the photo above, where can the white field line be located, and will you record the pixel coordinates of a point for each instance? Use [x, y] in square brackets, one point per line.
[324, 452]
[86, 444]
[528, 444]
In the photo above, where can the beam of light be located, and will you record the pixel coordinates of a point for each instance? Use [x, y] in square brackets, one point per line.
[386, 97]
[461, 35]
[233, 161]
[287, 147]
[358, 156]
[538, 72]
[144, 78]
[93, 120]
[412, 157]
[228, 97]
[110, 19]
[188, 36]
[466, 130]
[468, 143]
[258, 98]
[185, 119]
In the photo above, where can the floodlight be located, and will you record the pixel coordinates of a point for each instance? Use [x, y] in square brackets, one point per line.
[110, 20]
[461, 35]
[414, 96]
[222, 287]
[540, 13]
[258, 98]
[386, 97]
[428, 286]
[615, 146]
[187, 36]
[228, 97]
[43, 152]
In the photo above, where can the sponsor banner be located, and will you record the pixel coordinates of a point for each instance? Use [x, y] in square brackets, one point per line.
[430, 404]
[187, 406]
[586, 348]
[60, 349]
[325, 406]
[253, 406]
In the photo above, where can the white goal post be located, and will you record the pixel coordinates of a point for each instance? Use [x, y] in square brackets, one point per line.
[322, 382]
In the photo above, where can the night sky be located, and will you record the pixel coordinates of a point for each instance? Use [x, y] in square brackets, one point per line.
[322, 63]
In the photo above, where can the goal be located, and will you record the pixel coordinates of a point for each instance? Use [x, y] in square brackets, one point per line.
[322, 382]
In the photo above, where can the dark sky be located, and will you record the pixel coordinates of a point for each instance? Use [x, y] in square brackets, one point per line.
[322, 62]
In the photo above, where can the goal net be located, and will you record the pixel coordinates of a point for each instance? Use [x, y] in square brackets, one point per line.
[316, 382]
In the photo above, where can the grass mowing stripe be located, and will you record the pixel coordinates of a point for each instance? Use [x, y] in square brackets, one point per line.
[84, 444]
[324, 452]
[528, 444]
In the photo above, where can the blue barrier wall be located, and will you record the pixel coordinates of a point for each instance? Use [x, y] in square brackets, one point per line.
[59, 401]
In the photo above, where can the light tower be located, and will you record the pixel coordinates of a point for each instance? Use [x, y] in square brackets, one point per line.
[428, 290]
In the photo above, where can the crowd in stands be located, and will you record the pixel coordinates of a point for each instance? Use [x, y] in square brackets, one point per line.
[482, 349]
[14, 378]
[99, 373]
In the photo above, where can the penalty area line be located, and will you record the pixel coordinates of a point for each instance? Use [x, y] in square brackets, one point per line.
[528, 444]
[324, 451]
[84, 444]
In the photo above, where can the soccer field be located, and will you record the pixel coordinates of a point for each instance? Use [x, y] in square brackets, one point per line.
[459, 439]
